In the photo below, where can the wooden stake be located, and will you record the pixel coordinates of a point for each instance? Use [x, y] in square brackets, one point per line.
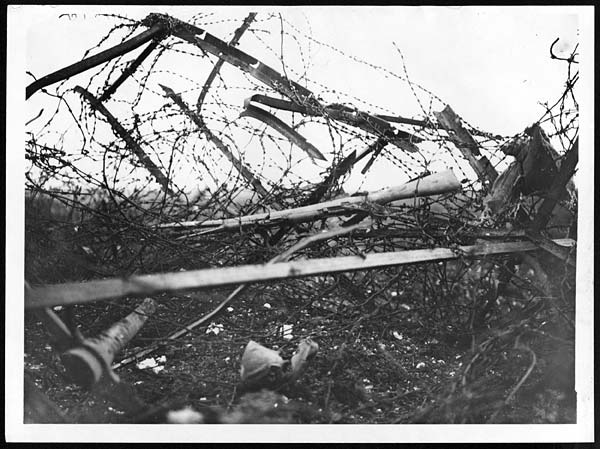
[87, 363]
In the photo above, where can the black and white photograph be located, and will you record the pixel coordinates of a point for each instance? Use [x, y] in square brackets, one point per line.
[299, 224]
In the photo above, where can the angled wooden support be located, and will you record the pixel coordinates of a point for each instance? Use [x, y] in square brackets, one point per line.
[344, 167]
[60, 335]
[119, 131]
[467, 145]
[129, 70]
[336, 172]
[563, 253]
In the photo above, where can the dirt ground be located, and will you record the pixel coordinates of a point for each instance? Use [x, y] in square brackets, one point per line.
[377, 362]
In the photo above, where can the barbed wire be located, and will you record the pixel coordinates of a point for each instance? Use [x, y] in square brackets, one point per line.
[92, 206]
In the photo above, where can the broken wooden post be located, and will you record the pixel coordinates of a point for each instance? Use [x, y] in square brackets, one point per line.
[557, 188]
[467, 145]
[131, 143]
[87, 363]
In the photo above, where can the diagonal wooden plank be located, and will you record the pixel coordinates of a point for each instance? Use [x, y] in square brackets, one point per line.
[121, 132]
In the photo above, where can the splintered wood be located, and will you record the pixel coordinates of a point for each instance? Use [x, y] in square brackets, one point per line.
[467, 145]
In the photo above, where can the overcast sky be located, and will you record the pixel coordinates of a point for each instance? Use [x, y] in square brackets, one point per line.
[490, 64]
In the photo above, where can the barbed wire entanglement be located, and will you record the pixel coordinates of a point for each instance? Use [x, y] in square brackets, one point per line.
[146, 149]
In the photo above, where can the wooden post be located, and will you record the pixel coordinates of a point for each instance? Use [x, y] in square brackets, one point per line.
[88, 362]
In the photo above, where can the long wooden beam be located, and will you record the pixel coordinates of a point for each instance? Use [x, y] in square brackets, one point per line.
[438, 183]
[82, 292]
